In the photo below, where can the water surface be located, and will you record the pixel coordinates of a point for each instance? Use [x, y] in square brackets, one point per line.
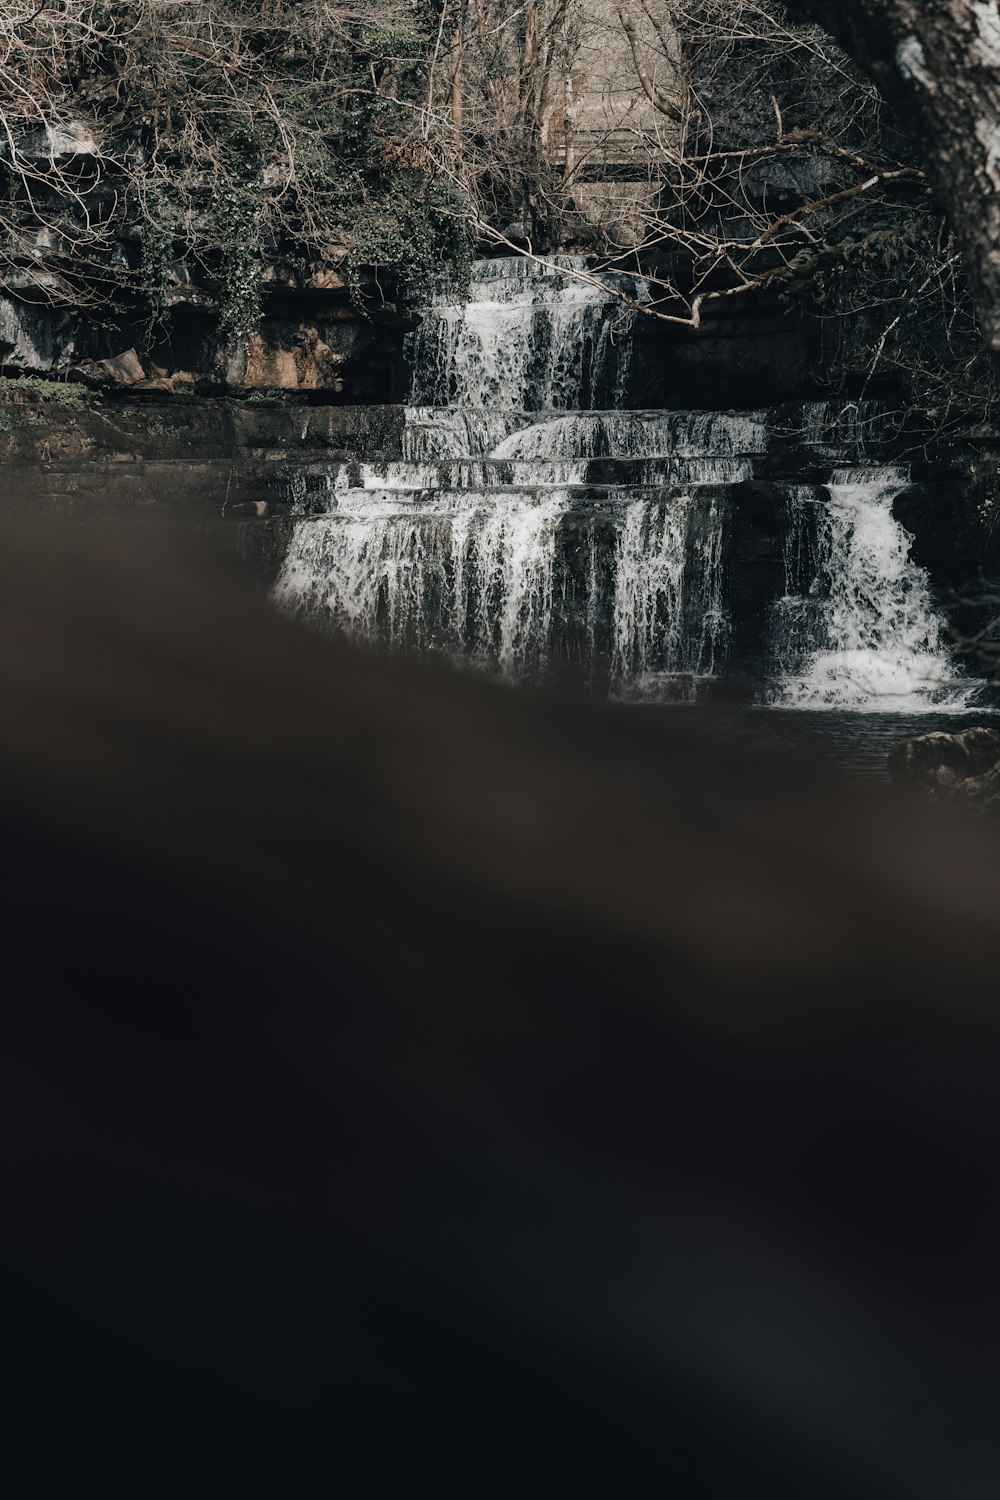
[847, 743]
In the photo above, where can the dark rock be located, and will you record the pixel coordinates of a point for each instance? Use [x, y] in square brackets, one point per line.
[961, 769]
[27, 340]
[120, 369]
[149, 427]
[941, 516]
[518, 235]
[753, 560]
[60, 142]
[740, 356]
[312, 339]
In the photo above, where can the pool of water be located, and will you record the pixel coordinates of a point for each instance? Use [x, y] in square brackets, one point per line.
[847, 743]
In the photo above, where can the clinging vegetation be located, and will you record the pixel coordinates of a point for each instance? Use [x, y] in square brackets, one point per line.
[159, 139]
[756, 156]
[158, 149]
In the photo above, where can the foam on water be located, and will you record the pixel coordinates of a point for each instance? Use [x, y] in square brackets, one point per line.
[638, 434]
[454, 432]
[408, 476]
[464, 474]
[477, 574]
[867, 635]
[440, 432]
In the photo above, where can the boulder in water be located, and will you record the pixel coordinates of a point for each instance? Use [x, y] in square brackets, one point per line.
[960, 769]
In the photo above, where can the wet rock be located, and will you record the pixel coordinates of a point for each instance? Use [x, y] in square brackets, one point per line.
[740, 356]
[27, 339]
[947, 532]
[962, 770]
[165, 426]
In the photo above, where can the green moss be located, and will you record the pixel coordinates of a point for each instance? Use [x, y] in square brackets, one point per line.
[235, 136]
[22, 389]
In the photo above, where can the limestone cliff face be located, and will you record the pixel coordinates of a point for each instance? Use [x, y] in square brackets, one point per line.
[311, 339]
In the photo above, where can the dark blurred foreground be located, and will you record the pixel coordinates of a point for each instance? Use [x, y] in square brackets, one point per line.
[411, 1084]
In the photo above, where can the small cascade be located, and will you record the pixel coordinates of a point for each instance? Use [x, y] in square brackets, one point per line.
[529, 336]
[465, 576]
[669, 623]
[858, 628]
[535, 526]
[530, 526]
[835, 427]
[639, 434]
[455, 432]
[628, 595]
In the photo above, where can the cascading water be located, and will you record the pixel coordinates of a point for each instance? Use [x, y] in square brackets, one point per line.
[865, 633]
[528, 337]
[667, 611]
[469, 577]
[496, 582]
[536, 528]
[638, 434]
[520, 529]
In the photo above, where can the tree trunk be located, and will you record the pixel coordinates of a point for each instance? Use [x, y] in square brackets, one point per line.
[938, 62]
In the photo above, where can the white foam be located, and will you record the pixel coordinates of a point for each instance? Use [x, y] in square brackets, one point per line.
[869, 636]
[639, 434]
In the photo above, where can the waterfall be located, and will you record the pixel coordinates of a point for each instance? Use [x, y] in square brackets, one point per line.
[858, 628]
[455, 432]
[640, 434]
[529, 525]
[537, 527]
[494, 581]
[667, 610]
[529, 337]
[465, 576]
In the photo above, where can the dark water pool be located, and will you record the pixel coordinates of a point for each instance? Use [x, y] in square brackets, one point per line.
[854, 744]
